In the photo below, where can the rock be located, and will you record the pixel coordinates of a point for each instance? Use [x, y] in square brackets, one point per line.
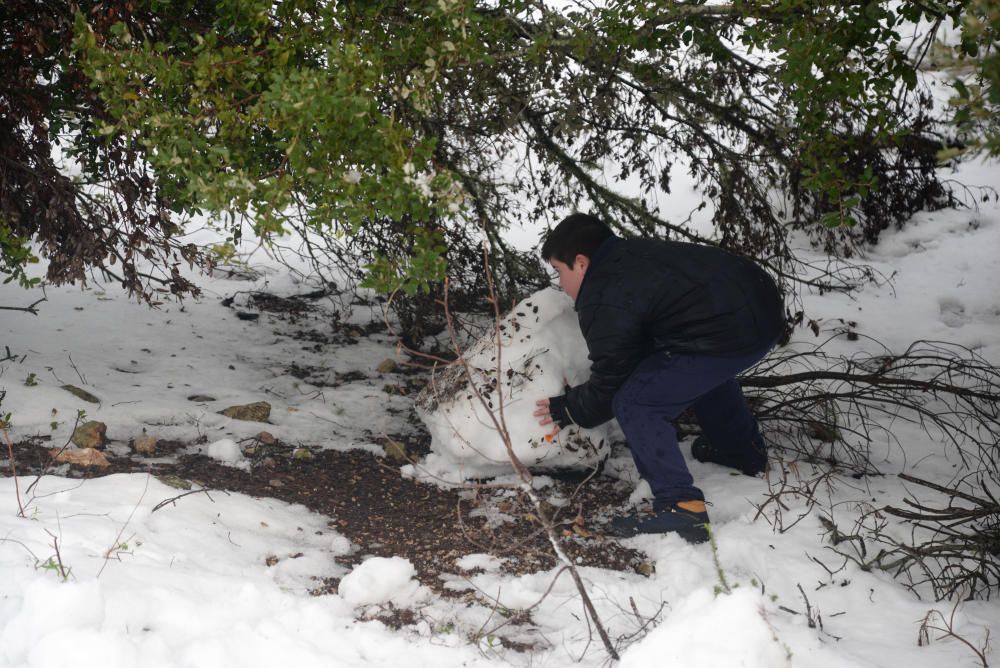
[81, 394]
[388, 365]
[83, 457]
[302, 454]
[258, 411]
[200, 398]
[90, 434]
[145, 445]
[396, 451]
[266, 438]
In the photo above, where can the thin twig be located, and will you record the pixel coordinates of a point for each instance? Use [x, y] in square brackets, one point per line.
[107, 553]
[64, 573]
[78, 374]
[13, 473]
[173, 499]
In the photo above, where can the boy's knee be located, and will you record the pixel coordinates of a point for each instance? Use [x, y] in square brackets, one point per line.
[621, 403]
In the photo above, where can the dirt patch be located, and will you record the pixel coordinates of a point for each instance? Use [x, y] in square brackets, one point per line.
[389, 515]
[386, 514]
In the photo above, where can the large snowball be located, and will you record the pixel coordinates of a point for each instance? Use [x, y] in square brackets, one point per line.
[542, 350]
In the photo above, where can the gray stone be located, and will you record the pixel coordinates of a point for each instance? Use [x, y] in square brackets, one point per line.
[90, 435]
[259, 411]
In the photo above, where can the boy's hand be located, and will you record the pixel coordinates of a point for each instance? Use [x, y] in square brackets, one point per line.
[542, 412]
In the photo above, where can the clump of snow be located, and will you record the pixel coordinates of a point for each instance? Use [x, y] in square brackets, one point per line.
[382, 580]
[228, 452]
[542, 350]
[707, 631]
[479, 560]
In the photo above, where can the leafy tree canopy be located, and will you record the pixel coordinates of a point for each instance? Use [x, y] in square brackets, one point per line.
[410, 128]
[977, 99]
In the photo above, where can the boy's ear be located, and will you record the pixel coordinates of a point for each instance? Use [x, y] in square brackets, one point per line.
[581, 261]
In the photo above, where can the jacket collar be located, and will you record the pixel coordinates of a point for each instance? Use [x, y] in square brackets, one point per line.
[602, 252]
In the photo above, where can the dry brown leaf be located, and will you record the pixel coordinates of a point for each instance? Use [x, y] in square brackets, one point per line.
[83, 457]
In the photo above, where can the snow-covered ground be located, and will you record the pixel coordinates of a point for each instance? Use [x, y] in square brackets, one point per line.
[96, 574]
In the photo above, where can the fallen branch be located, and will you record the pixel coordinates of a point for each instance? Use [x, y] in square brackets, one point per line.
[831, 409]
[960, 549]
[24, 309]
[948, 631]
[174, 499]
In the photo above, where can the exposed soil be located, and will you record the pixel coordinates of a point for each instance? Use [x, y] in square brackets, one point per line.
[386, 514]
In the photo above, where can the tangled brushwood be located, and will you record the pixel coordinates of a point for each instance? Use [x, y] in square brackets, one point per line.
[959, 548]
[830, 411]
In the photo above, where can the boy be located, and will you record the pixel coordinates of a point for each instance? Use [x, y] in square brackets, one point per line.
[668, 325]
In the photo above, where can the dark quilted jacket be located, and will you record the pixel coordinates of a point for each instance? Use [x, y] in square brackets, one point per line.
[641, 296]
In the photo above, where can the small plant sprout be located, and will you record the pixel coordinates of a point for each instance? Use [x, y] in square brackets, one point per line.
[723, 586]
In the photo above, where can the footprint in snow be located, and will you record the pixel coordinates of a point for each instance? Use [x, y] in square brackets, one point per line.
[952, 312]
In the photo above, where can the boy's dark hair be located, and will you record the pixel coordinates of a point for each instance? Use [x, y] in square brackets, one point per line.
[578, 234]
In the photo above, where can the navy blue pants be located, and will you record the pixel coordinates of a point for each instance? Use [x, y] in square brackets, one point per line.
[659, 389]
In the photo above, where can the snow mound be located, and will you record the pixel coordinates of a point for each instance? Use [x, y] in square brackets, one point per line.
[382, 580]
[706, 631]
[541, 350]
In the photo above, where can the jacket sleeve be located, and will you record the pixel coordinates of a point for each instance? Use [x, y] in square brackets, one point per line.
[616, 343]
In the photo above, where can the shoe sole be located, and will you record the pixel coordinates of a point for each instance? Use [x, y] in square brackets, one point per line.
[695, 535]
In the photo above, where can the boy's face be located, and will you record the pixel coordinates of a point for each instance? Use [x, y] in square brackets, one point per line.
[571, 276]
